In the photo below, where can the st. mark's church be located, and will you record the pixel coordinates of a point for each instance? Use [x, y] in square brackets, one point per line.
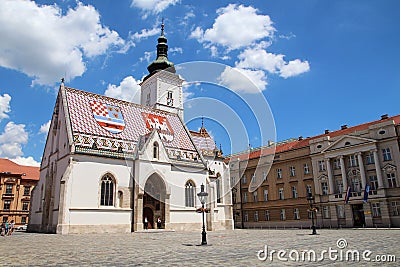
[110, 165]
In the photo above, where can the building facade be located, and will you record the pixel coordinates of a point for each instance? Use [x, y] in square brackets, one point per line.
[16, 185]
[112, 166]
[352, 173]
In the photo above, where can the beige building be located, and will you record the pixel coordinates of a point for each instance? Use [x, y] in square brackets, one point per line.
[16, 184]
[361, 162]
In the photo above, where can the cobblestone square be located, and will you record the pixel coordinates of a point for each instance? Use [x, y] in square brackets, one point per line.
[226, 248]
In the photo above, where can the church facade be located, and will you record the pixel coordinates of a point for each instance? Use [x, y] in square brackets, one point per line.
[113, 166]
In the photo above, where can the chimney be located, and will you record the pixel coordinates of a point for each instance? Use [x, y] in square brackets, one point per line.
[327, 131]
[300, 138]
[384, 116]
[343, 127]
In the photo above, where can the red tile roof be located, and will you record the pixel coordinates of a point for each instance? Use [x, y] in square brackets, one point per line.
[31, 173]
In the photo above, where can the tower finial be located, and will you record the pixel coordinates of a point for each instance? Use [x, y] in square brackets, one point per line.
[162, 27]
[202, 122]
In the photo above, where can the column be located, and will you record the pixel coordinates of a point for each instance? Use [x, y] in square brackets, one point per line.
[167, 217]
[343, 171]
[378, 169]
[330, 176]
[362, 170]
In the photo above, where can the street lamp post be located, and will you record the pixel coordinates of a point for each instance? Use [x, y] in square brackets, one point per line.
[311, 200]
[203, 198]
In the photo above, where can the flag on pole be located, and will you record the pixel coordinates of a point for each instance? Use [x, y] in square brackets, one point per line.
[346, 199]
[366, 193]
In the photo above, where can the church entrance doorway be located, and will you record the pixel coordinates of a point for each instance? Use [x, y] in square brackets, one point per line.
[154, 201]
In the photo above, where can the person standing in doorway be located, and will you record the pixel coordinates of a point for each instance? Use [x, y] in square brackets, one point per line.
[145, 223]
[159, 222]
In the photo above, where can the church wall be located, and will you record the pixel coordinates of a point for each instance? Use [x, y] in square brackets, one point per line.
[84, 191]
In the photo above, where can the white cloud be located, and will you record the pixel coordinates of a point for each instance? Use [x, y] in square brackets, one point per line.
[294, 67]
[236, 27]
[4, 106]
[145, 33]
[260, 59]
[256, 58]
[175, 50]
[29, 161]
[128, 90]
[44, 129]
[12, 139]
[154, 6]
[243, 80]
[148, 55]
[47, 44]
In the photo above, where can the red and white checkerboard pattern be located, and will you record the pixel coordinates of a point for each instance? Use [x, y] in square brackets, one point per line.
[99, 109]
[83, 122]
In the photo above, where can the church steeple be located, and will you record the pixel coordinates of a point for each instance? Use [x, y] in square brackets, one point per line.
[161, 62]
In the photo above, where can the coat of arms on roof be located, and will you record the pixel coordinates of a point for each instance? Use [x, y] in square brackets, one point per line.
[108, 116]
[161, 124]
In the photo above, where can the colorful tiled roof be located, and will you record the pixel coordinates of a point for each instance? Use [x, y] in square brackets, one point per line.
[203, 141]
[137, 120]
[8, 166]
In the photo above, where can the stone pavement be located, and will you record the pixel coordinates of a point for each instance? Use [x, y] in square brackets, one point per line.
[226, 248]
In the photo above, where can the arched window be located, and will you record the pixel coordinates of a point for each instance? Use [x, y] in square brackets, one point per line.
[189, 194]
[155, 150]
[107, 191]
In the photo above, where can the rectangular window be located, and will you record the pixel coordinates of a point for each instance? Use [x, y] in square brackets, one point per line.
[264, 176]
[280, 194]
[395, 208]
[279, 173]
[321, 165]
[336, 164]
[306, 169]
[309, 189]
[244, 179]
[265, 194]
[5, 218]
[253, 178]
[283, 215]
[25, 206]
[27, 190]
[370, 158]
[353, 161]
[256, 216]
[339, 186]
[294, 192]
[386, 154]
[246, 216]
[292, 171]
[9, 189]
[324, 187]
[267, 215]
[391, 177]
[7, 204]
[23, 220]
[325, 212]
[244, 197]
[376, 209]
[373, 183]
[340, 211]
[296, 214]
[255, 196]
[356, 185]
[234, 197]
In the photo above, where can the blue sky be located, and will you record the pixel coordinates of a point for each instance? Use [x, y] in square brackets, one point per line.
[318, 64]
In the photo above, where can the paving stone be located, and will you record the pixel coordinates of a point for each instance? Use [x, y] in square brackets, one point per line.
[226, 248]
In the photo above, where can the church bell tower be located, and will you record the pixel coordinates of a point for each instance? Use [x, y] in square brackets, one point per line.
[162, 87]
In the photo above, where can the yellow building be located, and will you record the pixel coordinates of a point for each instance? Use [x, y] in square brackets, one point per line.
[16, 184]
[361, 162]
